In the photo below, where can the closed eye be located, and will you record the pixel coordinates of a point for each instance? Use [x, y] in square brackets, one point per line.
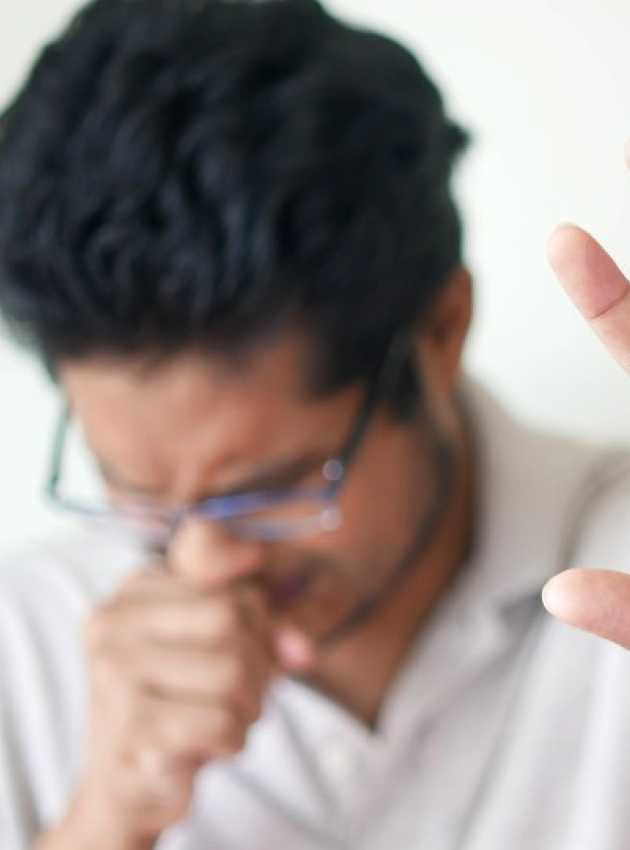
[288, 476]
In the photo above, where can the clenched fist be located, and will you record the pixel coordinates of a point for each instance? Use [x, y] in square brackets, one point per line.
[177, 676]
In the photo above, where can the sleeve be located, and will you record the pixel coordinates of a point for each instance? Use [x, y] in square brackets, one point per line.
[41, 703]
[20, 819]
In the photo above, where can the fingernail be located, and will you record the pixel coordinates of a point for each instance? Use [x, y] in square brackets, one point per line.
[550, 597]
[557, 595]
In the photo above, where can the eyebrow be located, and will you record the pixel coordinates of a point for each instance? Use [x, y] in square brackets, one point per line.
[267, 476]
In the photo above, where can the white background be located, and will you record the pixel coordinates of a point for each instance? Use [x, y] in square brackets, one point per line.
[544, 88]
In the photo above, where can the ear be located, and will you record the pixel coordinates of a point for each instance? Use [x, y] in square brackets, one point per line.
[444, 329]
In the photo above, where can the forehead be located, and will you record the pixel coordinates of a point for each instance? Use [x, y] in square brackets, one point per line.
[198, 417]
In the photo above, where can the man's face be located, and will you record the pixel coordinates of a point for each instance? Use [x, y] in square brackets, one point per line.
[194, 428]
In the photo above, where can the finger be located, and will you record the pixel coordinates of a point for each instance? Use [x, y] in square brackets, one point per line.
[150, 785]
[153, 582]
[207, 557]
[255, 611]
[179, 738]
[596, 286]
[170, 623]
[238, 678]
[204, 622]
[596, 601]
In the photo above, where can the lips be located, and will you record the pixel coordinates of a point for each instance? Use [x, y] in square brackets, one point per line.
[284, 590]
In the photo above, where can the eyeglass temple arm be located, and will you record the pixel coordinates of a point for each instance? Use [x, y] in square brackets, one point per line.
[395, 356]
[59, 438]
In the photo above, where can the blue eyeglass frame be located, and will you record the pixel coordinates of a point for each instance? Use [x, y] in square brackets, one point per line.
[221, 508]
[226, 508]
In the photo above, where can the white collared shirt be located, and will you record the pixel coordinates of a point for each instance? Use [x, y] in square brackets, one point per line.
[503, 728]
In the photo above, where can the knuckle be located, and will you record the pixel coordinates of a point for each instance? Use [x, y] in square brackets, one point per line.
[134, 578]
[177, 801]
[237, 738]
[114, 663]
[254, 601]
[190, 738]
[253, 709]
[136, 581]
[141, 720]
[237, 675]
[228, 618]
[108, 669]
[183, 738]
[97, 628]
[253, 608]
[230, 731]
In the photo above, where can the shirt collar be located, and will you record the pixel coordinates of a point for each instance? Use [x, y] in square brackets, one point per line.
[529, 483]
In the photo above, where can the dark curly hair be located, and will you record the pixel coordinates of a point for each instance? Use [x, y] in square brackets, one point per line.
[179, 174]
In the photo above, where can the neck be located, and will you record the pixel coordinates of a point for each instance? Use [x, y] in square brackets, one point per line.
[358, 672]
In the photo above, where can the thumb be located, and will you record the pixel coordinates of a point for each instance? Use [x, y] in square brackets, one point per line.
[597, 601]
[295, 650]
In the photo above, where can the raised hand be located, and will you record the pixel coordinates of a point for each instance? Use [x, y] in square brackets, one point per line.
[597, 601]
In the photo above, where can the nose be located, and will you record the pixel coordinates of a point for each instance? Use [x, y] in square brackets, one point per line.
[204, 554]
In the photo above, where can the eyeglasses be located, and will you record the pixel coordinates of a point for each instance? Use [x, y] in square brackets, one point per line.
[262, 515]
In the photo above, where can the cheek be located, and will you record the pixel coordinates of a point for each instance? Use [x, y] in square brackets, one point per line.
[384, 504]
[353, 560]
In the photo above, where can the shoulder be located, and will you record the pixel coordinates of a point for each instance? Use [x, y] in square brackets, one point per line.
[544, 495]
[533, 463]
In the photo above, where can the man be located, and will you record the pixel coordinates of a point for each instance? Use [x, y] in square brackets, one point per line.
[306, 609]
